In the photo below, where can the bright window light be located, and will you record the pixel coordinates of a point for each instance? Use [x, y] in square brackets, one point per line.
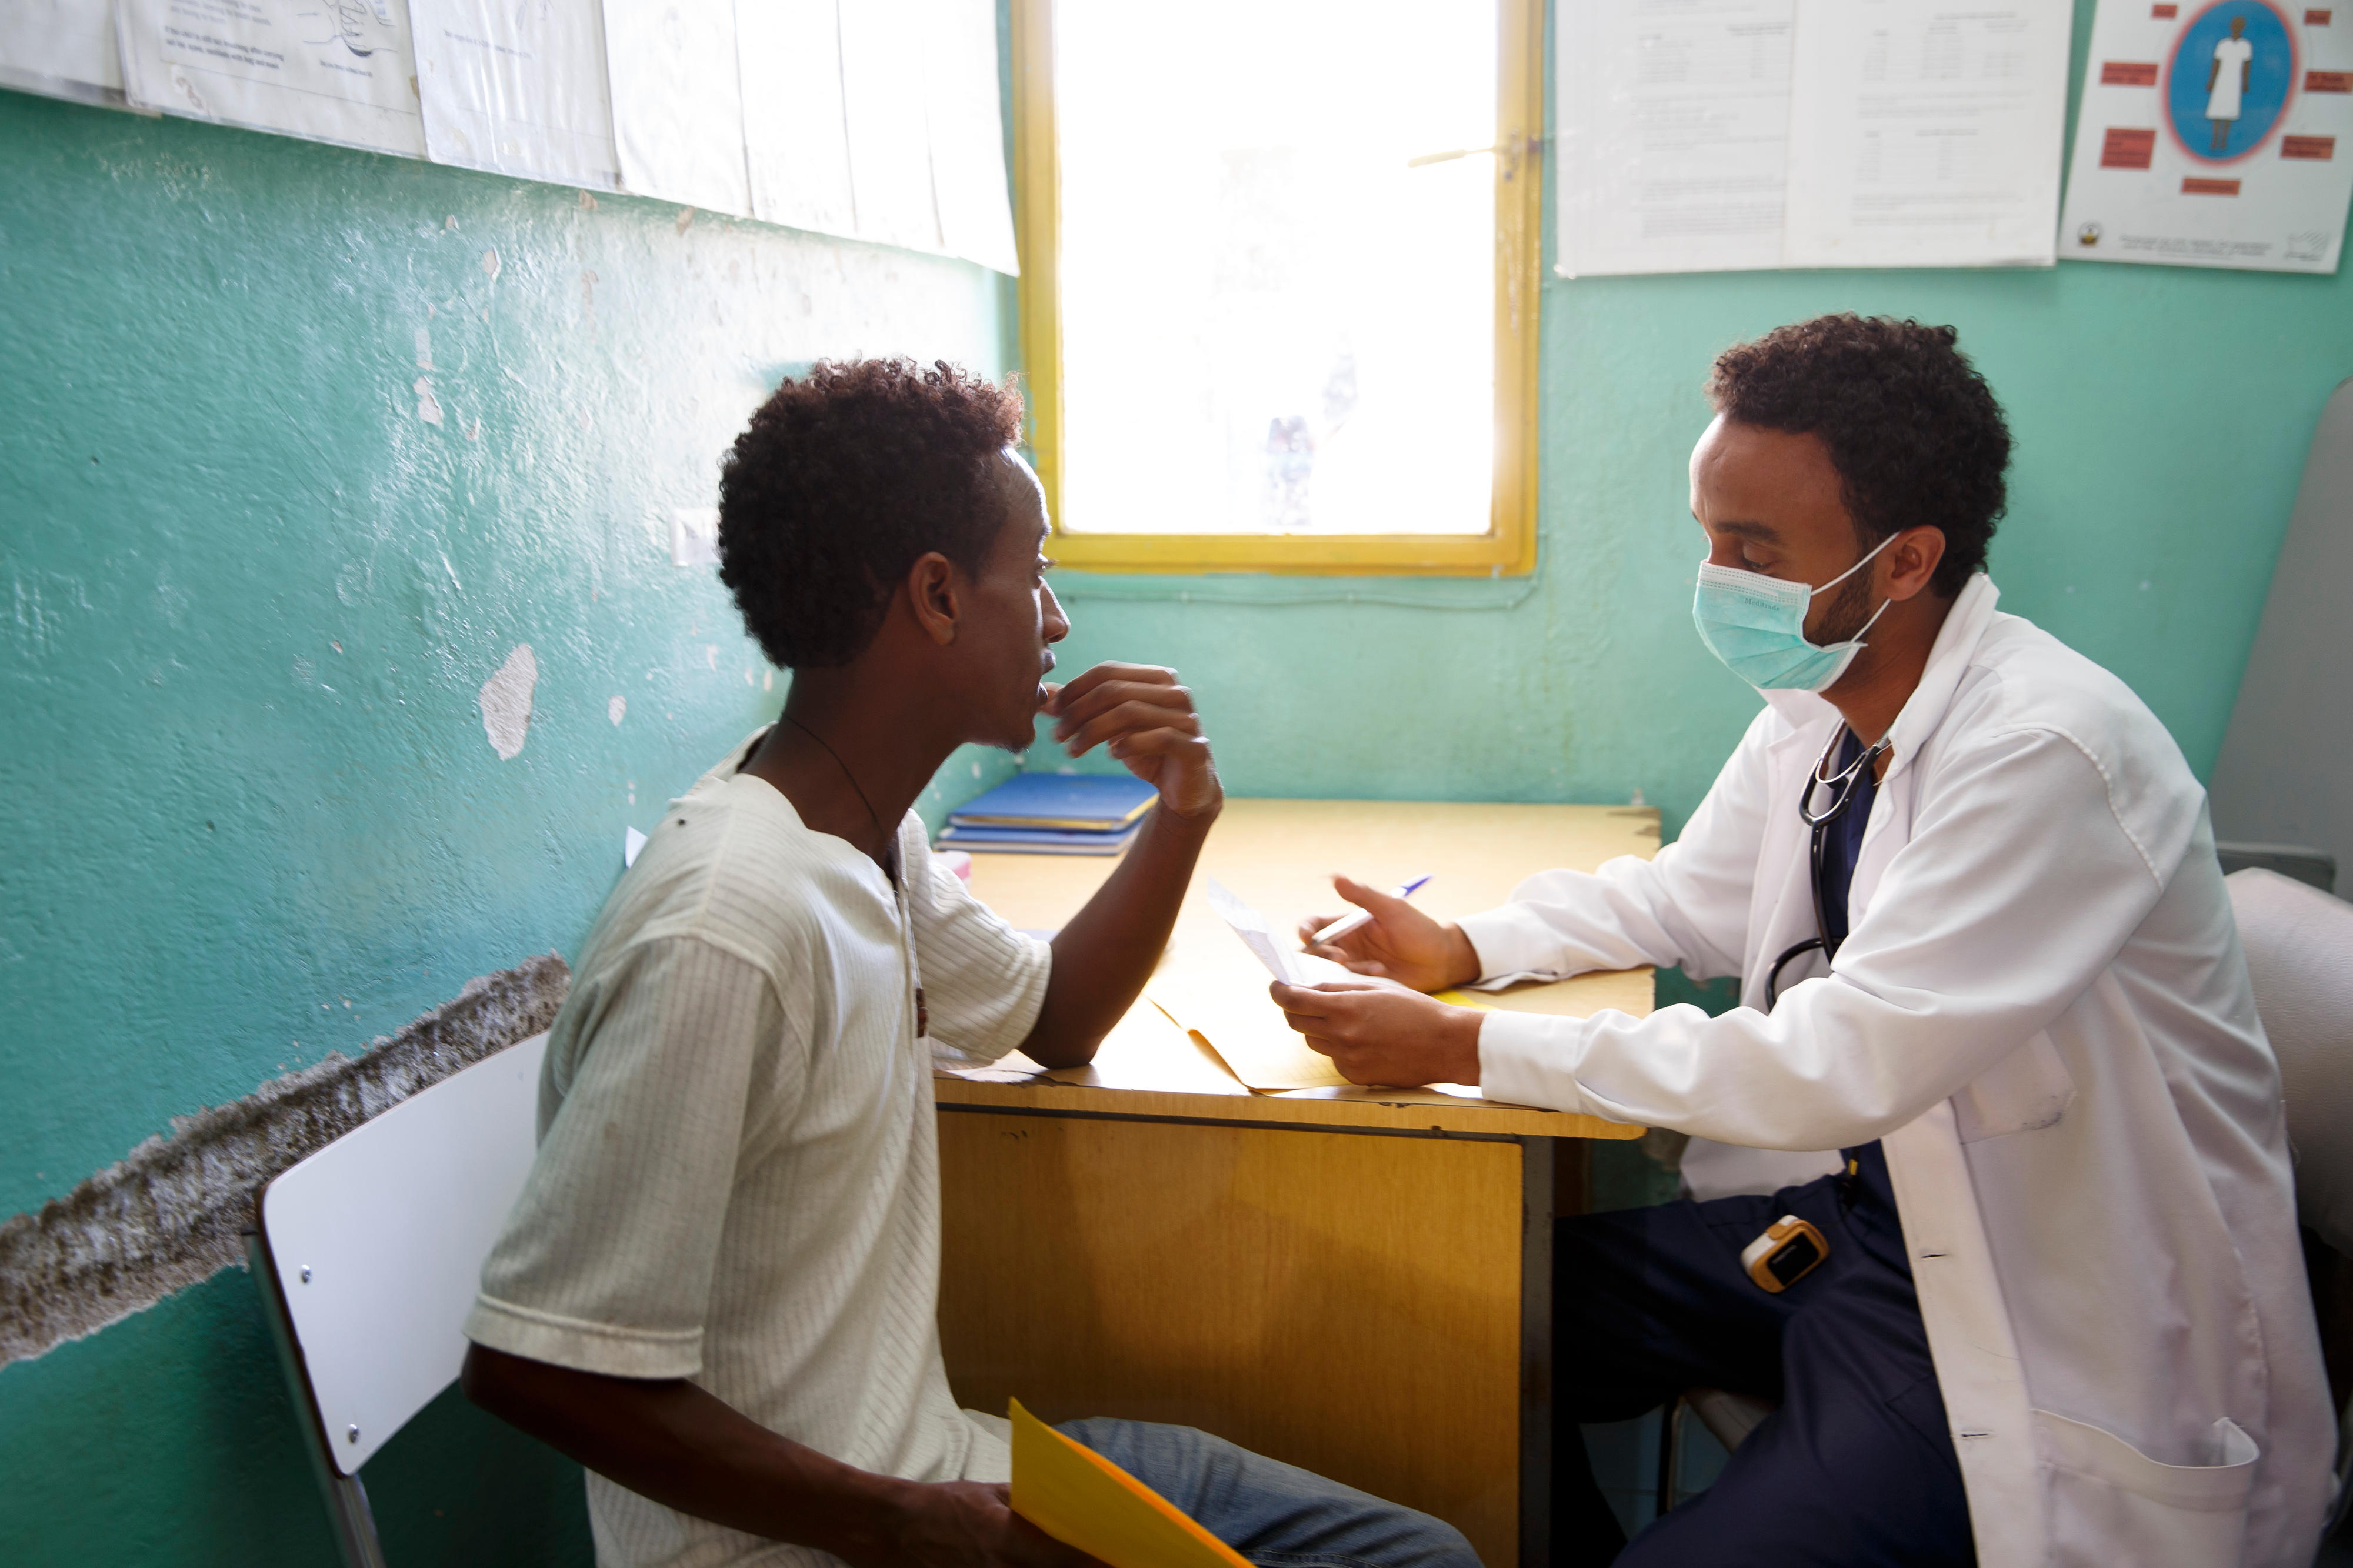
[1277, 286]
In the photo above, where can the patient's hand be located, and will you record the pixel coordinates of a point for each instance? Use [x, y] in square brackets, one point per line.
[971, 1524]
[1377, 1031]
[1141, 716]
[1399, 943]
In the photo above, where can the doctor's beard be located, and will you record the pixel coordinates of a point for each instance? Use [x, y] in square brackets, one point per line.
[1851, 608]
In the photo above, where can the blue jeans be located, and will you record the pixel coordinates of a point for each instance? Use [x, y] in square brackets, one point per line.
[1275, 1514]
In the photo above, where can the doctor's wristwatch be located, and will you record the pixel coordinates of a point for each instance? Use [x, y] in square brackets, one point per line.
[1789, 1249]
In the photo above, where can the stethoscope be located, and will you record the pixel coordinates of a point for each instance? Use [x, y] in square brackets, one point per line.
[1843, 785]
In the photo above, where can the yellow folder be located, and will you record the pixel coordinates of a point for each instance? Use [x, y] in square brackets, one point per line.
[1082, 1499]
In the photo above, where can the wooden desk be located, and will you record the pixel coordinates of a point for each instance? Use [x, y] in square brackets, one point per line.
[1351, 1284]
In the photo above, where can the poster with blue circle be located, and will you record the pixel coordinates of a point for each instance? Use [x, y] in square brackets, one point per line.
[2228, 82]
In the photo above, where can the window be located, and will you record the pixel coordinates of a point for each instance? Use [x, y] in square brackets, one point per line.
[1279, 280]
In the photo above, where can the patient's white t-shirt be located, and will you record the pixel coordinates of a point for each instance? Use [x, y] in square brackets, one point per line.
[738, 1170]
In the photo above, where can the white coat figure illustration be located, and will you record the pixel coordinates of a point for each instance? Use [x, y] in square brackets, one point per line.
[2226, 80]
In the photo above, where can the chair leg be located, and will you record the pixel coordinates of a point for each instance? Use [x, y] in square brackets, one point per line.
[1670, 1451]
[347, 1500]
[356, 1537]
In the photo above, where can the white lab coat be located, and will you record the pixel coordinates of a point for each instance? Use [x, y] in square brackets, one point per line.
[2043, 1012]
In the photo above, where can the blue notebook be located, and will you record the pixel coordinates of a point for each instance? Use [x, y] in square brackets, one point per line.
[1036, 840]
[1073, 803]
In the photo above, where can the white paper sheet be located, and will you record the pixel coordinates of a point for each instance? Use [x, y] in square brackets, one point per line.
[677, 113]
[1926, 135]
[883, 101]
[795, 140]
[330, 70]
[62, 48]
[2148, 182]
[1673, 116]
[1291, 968]
[516, 87]
[1715, 135]
[966, 124]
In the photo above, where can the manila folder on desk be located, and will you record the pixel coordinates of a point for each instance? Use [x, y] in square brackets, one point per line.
[1082, 1499]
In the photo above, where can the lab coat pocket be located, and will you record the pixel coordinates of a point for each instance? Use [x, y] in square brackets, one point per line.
[2111, 1503]
[2025, 1091]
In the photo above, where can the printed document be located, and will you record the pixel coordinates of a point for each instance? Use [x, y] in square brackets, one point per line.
[1926, 135]
[516, 89]
[1674, 125]
[678, 111]
[795, 141]
[330, 70]
[62, 48]
[966, 132]
[1710, 135]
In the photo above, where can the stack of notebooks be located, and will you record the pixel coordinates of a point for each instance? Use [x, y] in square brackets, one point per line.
[1052, 813]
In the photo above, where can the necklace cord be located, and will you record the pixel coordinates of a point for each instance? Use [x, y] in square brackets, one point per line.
[871, 815]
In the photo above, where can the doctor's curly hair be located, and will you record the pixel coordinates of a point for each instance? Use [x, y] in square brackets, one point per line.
[843, 478]
[1912, 427]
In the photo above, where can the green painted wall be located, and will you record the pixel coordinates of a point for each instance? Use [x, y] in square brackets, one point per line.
[2161, 417]
[221, 828]
[246, 599]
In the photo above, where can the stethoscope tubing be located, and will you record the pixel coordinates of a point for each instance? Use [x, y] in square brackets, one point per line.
[1842, 786]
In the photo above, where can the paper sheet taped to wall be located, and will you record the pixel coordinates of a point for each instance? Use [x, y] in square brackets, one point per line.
[2215, 135]
[678, 109]
[62, 48]
[340, 73]
[516, 90]
[1082, 1499]
[1706, 135]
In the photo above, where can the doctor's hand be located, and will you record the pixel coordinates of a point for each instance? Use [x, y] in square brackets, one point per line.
[1399, 943]
[1377, 1031]
[1141, 716]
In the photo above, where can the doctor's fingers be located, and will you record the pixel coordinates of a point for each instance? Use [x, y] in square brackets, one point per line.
[1355, 963]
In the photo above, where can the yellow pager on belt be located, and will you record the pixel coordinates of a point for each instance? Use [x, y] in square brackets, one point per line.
[1789, 1249]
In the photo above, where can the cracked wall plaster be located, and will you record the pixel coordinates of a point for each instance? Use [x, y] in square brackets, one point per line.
[170, 1214]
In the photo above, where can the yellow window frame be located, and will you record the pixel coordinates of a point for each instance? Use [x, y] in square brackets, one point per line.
[1509, 545]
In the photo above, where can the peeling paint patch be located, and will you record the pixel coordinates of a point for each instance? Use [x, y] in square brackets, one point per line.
[170, 1214]
[490, 265]
[617, 708]
[767, 680]
[685, 219]
[694, 536]
[424, 348]
[506, 702]
[428, 407]
[711, 655]
[587, 202]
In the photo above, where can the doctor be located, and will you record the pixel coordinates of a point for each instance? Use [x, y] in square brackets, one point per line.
[2036, 1295]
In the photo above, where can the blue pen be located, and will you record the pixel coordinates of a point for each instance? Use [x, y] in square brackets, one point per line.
[1347, 923]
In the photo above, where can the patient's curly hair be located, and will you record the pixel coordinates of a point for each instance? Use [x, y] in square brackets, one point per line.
[840, 481]
[1912, 427]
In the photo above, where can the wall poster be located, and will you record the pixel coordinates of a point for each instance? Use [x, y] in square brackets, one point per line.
[2214, 135]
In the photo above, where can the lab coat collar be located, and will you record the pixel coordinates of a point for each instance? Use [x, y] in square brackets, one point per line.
[1956, 645]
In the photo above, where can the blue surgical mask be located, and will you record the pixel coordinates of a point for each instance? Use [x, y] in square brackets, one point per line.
[1757, 624]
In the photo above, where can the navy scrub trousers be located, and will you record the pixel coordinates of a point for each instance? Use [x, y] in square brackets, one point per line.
[1856, 1468]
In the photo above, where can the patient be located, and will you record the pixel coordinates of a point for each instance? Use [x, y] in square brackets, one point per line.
[717, 1290]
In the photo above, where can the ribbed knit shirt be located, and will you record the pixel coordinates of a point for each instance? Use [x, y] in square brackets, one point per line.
[738, 1170]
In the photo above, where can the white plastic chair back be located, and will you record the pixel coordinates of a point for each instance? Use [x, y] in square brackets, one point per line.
[2299, 945]
[373, 1249]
